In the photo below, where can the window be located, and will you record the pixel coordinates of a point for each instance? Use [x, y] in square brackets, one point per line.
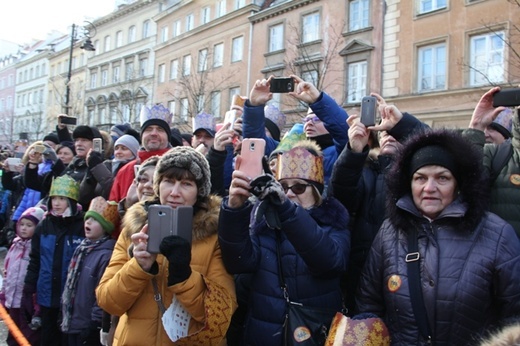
[221, 8]
[200, 103]
[131, 34]
[9, 103]
[431, 5]
[31, 73]
[359, 12]
[215, 104]
[310, 76]
[237, 49]
[104, 77]
[146, 28]
[357, 81]
[129, 73]
[487, 58]
[96, 44]
[143, 67]
[172, 107]
[162, 72]
[10, 79]
[174, 69]
[189, 22]
[93, 80]
[116, 74]
[431, 69]
[311, 27]
[2, 105]
[203, 60]
[107, 43]
[119, 39]
[164, 34]
[218, 55]
[176, 28]
[186, 65]
[205, 15]
[276, 38]
[239, 4]
[184, 109]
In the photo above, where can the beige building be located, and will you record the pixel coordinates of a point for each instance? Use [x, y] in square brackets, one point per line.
[440, 56]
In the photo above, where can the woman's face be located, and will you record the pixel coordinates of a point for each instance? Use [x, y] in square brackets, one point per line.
[145, 184]
[306, 199]
[175, 192]
[122, 153]
[65, 155]
[433, 189]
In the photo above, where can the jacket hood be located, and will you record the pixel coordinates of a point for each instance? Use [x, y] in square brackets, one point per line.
[471, 184]
[205, 222]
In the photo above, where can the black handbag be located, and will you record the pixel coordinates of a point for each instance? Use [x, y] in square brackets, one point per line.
[304, 325]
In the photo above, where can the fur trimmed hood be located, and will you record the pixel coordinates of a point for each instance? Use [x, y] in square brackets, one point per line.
[205, 222]
[472, 183]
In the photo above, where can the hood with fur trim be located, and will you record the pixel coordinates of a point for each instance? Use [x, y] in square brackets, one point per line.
[471, 183]
[205, 222]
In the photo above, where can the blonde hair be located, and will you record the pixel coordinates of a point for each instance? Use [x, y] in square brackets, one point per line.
[508, 336]
[25, 157]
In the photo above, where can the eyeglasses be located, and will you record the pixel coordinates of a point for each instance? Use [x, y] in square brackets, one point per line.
[313, 119]
[297, 189]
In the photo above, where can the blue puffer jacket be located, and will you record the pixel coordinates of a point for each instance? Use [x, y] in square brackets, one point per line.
[314, 249]
[30, 197]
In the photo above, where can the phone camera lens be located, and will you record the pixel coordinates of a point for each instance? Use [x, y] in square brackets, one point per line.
[252, 146]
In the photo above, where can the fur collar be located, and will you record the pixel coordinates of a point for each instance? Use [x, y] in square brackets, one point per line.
[205, 222]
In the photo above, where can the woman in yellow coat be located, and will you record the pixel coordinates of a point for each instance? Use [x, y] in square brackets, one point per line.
[196, 278]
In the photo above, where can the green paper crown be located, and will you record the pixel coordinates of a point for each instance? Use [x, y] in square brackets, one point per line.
[65, 186]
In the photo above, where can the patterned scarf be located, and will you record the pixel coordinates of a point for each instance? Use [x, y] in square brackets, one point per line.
[69, 293]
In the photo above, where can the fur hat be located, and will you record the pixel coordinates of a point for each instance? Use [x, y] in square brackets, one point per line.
[130, 142]
[157, 115]
[303, 161]
[104, 212]
[65, 186]
[189, 159]
[35, 214]
[503, 123]
[88, 132]
[274, 121]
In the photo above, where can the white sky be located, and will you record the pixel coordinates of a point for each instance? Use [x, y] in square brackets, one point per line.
[21, 21]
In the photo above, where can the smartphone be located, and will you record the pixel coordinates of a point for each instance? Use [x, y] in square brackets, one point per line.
[66, 120]
[39, 148]
[251, 155]
[507, 98]
[13, 162]
[368, 110]
[238, 101]
[163, 221]
[230, 117]
[281, 85]
[98, 145]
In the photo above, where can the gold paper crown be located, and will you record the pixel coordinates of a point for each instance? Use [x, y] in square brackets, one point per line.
[104, 212]
[65, 186]
[300, 163]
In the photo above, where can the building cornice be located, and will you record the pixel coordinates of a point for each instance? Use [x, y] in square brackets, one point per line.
[124, 11]
[279, 10]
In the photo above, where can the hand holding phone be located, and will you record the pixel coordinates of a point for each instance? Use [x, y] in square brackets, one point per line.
[97, 145]
[163, 221]
[251, 154]
[281, 85]
[230, 117]
[368, 111]
[39, 148]
[64, 119]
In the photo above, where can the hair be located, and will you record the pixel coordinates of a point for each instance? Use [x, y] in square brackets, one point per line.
[149, 162]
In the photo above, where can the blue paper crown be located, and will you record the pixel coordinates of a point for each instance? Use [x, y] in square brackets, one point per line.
[156, 112]
[203, 121]
[275, 115]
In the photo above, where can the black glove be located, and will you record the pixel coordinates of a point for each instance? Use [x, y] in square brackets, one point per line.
[90, 335]
[271, 195]
[178, 252]
[27, 303]
[94, 159]
[50, 154]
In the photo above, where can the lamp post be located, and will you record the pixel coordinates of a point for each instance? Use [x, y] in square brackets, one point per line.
[88, 46]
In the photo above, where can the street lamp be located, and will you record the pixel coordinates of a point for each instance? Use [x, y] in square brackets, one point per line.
[88, 46]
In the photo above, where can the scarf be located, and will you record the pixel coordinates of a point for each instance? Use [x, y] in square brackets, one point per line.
[69, 293]
[324, 141]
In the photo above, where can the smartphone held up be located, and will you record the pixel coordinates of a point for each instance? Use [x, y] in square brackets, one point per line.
[251, 155]
[507, 98]
[164, 221]
[281, 85]
[368, 111]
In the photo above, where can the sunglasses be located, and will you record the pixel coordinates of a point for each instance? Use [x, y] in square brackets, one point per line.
[297, 189]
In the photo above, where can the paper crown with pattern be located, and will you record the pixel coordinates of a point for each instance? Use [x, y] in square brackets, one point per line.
[275, 115]
[203, 121]
[304, 161]
[65, 186]
[158, 111]
[288, 141]
[105, 212]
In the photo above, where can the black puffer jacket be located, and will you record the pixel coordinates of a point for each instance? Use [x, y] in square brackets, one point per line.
[469, 259]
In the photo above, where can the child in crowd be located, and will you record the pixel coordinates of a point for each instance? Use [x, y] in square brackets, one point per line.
[82, 317]
[53, 245]
[15, 268]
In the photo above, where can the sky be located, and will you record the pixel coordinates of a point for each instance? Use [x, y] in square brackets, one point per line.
[21, 21]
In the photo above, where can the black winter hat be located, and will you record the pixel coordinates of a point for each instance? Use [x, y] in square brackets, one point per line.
[53, 137]
[88, 132]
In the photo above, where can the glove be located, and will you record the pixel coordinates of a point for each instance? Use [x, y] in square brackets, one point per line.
[50, 155]
[103, 337]
[178, 252]
[87, 335]
[27, 303]
[271, 195]
[94, 159]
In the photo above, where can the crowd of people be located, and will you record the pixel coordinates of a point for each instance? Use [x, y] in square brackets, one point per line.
[416, 226]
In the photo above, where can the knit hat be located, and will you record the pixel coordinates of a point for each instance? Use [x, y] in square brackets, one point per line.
[104, 212]
[53, 137]
[84, 131]
[304, 161]
[288, 141]
[65, 186]
[187, 137]
[274, 121]
[157, 115]
[189, 159]
[176, 137]
[130, 142]
[121, 129]
[35, 214]
[204, 121]
[503, 123]
[433, 155]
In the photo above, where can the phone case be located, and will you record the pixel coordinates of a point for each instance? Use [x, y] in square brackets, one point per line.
[163, 221]
[368, 110]
[97, 145]
[507, 98]
[65, 120]
[281, 85]
[253, 150]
